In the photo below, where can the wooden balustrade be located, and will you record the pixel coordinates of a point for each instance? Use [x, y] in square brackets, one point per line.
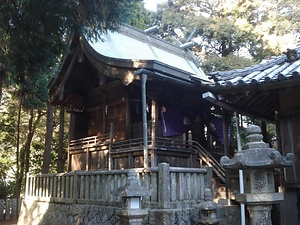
[171, 187]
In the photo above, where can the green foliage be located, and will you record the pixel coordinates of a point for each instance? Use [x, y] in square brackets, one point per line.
[7, 188]
[8, 141]
[140, 17]
[253, 28]
[214, 62]
[270, 136]
[7, 145]
[34, 35]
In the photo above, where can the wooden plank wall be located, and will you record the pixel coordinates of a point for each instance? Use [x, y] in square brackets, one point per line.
[105, 105]
[290, 143]
[10, 208]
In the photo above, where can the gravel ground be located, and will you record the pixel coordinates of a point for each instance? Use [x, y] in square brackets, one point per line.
[8, 222]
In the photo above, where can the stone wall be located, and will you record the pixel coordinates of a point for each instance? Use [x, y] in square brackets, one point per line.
[46, 213]
[96, 197]
[35, 212]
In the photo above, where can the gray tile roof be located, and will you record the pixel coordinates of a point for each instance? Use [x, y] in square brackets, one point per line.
[254, 90]
[284, 67]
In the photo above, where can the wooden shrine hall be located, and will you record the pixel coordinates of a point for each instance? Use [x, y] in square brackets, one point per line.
[135, 100]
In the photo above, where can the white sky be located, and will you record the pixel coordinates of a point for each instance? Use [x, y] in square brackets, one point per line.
[151, 4]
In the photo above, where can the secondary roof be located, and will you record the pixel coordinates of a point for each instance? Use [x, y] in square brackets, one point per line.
[254, 90]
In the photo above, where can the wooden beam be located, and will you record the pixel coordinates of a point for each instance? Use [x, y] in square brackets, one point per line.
[61, 85]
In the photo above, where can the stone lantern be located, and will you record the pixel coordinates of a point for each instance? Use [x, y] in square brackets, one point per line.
[258, 161]
[208, 210]
[131, 194]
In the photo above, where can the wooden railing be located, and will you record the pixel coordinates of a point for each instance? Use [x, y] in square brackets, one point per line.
[86, 142]
[97, 143]
[10, 208]
[209, 160]
[171, 187]
[128, 145]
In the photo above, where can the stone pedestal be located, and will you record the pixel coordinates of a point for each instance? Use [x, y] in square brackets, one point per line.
[260, 214]
[132, 216]
[258, 162]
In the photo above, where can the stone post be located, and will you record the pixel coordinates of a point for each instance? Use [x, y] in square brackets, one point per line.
[131, 194]
[258, 162]
[164, 186]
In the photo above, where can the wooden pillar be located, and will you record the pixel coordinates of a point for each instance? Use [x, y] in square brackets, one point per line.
[88, 159]
[69, 160]
[72, 126]
[225, 131]
[264, 132]
[71, 137]
[144, 109]
[104, 113]
[226, 147]
[153, 132]
[111, 139]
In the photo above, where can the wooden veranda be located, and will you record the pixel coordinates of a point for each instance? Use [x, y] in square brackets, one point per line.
[103, 152]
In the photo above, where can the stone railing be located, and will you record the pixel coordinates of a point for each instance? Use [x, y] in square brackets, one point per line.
[170, 187]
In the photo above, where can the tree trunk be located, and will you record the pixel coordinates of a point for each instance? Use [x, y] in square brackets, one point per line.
[28, 141]
[2, 78]
[18, 180]
[25, 151]
[48, 139]
[33, 124]
[60, 150]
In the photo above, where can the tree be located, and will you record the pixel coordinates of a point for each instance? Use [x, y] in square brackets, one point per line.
[22, 142]
[48, 139]
[8, 127]
[253, 28]
[34, 35]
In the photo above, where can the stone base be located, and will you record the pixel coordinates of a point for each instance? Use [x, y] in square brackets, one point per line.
[132, 216]
[260, 214]
[48, 213]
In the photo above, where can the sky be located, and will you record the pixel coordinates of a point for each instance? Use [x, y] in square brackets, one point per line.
[151, 4]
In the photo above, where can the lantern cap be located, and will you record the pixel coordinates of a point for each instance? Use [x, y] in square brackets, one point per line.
[257, 154]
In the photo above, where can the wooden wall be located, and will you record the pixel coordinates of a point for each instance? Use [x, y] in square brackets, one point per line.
[290, 143]
[104, 105]
[290, 131]
[78, 125]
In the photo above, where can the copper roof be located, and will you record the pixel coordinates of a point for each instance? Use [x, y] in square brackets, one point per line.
[120, 55]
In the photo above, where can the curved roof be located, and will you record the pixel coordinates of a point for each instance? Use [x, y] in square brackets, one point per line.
[134, 47]
[123, 55]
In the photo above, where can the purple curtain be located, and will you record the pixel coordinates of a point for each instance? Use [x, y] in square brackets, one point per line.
[175, 120]
[215, 126]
